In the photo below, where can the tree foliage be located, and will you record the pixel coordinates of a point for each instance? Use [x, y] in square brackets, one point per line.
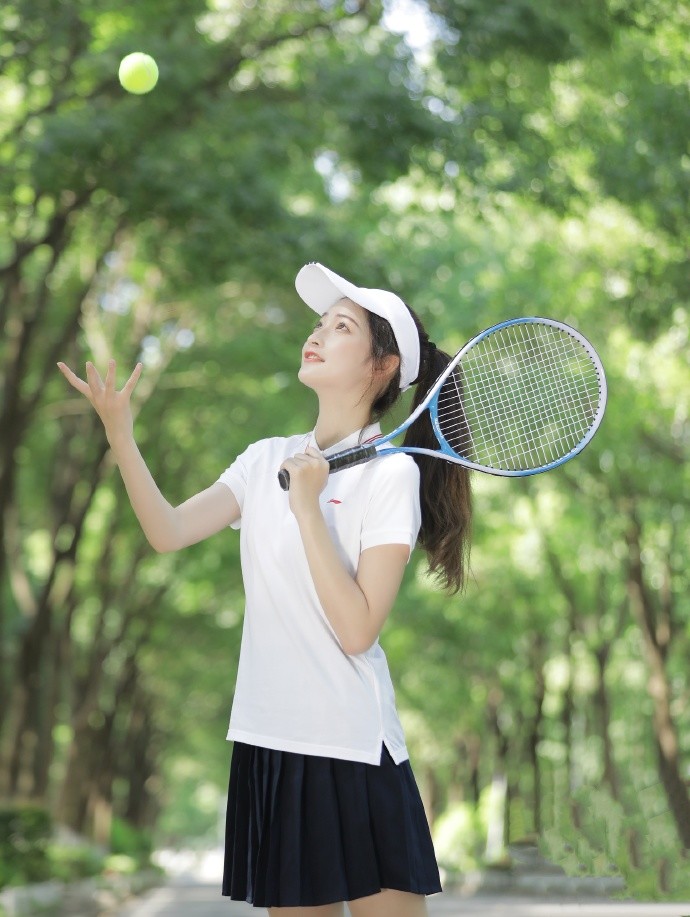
[529, 159]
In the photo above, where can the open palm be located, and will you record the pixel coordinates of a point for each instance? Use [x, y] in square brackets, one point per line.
[112, 406]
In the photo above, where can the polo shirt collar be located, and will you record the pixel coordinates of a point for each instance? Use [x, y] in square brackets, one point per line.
[353, 439]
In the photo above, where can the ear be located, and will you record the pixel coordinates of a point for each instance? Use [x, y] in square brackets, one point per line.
[390, 364]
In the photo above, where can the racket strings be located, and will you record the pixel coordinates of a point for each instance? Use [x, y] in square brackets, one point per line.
[530, 401]
[522, 397]
[514, 445]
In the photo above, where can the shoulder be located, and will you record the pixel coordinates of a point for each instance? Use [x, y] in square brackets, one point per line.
[265, 453]
[392, 500]
[398, 467]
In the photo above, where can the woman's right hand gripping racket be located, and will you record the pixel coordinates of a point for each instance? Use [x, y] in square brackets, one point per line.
[520, 398]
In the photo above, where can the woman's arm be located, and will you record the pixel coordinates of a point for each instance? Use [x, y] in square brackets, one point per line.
[167, 528]
[170, 528]
[358, 606]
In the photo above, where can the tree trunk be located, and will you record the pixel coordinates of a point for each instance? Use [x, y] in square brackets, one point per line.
[474, 746]
[431, 795]
[496, 835]
[534, 734]
[603, 705]
[140, 766]
[22, 732]
[657, 628]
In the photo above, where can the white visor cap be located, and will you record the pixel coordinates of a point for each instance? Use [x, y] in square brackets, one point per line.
[321, 288]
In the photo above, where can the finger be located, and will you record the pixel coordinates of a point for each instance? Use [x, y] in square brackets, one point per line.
[128, 387]
[94, 379]
[314, 458]
[74, 380]
[295, 465]
[110, 377]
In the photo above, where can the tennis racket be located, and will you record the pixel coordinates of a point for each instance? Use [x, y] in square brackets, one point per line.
[522, 397]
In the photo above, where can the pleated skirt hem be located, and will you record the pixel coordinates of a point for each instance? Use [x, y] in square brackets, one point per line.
[303, 830]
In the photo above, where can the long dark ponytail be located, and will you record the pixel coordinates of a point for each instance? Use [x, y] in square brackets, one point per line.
[445, 494]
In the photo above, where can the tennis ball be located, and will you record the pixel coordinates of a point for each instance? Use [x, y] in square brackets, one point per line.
[138, 73]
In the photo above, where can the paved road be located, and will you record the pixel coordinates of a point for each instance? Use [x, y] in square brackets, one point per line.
[204, 900]
[194, 891]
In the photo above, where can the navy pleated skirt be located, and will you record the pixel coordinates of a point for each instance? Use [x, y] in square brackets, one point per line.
[303, 830]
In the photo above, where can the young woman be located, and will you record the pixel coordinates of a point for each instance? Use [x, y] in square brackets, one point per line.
[323, 808]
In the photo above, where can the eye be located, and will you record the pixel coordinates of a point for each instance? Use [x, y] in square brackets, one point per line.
[341, 324]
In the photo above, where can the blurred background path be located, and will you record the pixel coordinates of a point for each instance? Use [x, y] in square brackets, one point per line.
[204, 900]
[195, 889]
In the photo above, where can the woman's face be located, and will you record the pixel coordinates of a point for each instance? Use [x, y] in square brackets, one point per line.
[337, 353]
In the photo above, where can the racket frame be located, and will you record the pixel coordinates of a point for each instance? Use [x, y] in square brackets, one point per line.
[365, 453]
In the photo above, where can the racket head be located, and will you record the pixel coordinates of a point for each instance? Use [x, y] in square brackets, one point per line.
[522, 397]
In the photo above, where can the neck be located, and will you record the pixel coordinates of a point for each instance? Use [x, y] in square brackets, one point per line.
[337, 420]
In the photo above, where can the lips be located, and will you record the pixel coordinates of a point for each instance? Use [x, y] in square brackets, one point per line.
[311, 357]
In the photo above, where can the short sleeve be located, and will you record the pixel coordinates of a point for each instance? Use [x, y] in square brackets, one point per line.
[393, 514]
[236, 476]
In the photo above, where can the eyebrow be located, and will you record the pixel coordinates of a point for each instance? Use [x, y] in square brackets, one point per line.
[342, 315]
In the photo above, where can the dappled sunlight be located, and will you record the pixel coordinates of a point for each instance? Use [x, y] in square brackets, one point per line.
[486, 165]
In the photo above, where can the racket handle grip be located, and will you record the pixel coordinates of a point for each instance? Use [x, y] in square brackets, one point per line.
[351, 457]
[346, 459]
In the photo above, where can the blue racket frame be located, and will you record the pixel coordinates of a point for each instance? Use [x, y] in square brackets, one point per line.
[359, 454]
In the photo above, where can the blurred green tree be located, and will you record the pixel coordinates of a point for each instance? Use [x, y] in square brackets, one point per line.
[528, 159]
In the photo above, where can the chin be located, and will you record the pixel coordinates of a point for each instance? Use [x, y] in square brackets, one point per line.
[304, 377]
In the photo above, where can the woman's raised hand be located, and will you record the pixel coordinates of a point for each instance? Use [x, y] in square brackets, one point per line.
[112, 407]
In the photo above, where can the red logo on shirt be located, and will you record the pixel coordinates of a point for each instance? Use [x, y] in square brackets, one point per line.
[334, 501]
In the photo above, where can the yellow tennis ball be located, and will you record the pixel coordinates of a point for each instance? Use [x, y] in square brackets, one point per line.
[138, 73]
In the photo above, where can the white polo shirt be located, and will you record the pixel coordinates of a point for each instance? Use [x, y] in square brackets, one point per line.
[297, 690]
